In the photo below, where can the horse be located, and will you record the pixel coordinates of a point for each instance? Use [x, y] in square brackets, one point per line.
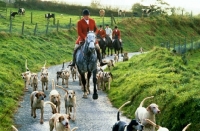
[86, 61]
[102, 45]
[117, 45]
[109, 45]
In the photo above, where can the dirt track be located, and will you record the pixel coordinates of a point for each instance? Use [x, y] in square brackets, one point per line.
[92, 115]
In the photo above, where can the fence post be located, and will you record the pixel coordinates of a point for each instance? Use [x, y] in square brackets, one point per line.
[54, 21]
[70, 23]
[35, 29]
[10, 26]
[192, 43]
[174, 44]
[103, 21]
[179, 46]
[168, 45]
[31, 17]
[57, 25]
[10, 15]
[47, 27]
[111, 20]
[22, 27]
[185, 45]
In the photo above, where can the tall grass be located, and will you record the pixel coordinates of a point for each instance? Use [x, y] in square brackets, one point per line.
[15, 49]
[162, 74]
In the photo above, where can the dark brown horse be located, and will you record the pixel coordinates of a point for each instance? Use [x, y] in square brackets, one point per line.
[109, 45]
[102, 45]
[117, 45]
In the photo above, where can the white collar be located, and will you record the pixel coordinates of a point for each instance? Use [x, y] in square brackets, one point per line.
[87, 21]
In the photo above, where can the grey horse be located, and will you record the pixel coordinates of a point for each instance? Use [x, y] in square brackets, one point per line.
[86, 61]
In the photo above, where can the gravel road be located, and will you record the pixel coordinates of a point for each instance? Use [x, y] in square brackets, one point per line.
[91, 115]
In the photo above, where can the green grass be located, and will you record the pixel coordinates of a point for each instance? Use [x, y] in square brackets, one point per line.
[159, 73]
[15, 49]
[39, 18]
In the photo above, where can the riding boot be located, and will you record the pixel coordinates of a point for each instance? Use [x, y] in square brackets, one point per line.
[74, 58]
[99, 57]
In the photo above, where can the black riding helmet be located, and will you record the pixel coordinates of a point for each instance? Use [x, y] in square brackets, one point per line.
[86, 12]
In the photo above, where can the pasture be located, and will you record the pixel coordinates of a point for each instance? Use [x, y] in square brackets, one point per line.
[62, 21]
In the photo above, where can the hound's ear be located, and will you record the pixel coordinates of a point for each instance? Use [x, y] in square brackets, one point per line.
[61, 118]
[148, 108]
[44, 95]
[68, 117]
[37, 95]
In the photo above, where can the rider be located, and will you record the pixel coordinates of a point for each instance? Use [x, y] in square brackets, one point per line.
[101, 32]
[116, 32]
[108, 31]
[83, 26]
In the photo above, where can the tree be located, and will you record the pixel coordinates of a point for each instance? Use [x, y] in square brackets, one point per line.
[137, 9]
[95, 4]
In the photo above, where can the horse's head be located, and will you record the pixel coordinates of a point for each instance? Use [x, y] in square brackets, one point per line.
[90, 41]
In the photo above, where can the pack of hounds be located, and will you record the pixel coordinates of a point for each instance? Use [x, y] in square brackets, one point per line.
[144, 116]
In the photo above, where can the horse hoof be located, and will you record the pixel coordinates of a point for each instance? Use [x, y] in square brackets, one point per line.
[85, 96]
[95, 96]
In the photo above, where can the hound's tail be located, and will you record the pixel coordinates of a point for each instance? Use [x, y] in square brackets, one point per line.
[45, 63]
[26, 66]
[63, 66]
[121, 108]
[152, 123]
[52, 105]
[185, 128]
[74, 128]
[14, 128]
[61, 88]
[53, 84]
[141, 104]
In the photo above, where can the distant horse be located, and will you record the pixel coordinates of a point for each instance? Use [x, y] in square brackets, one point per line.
[117, 45]
[109, 45]
[86, 61]
[102, 45]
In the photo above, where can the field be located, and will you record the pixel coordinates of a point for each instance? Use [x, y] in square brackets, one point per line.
[160, 72]
[63, 21]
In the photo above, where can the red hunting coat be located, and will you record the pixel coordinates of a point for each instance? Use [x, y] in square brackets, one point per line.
[116, 33]
[83, 28]
[102, 33]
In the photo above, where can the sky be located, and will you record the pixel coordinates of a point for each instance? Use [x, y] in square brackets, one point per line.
[188, 5]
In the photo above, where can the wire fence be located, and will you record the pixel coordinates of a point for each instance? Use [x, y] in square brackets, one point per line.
[182, 46]
[34, 24]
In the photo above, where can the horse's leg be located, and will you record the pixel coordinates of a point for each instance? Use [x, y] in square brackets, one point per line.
[88, 82]
[122, 51]
[108, 51]
[84, 85]
[95, 95]
[104, 52]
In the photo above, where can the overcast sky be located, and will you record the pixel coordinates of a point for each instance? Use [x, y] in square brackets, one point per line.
[188, 5]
